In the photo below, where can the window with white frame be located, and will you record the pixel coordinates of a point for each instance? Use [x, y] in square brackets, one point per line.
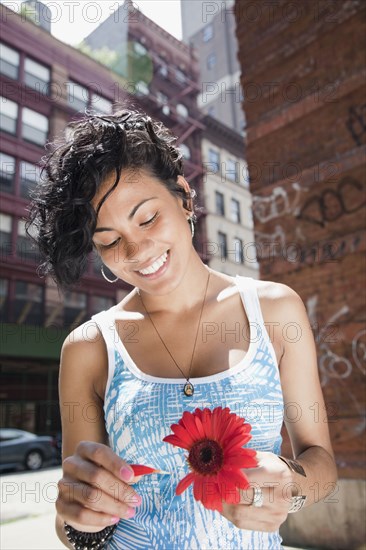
[207, 33]
[238, 250]
[211, 61]
[220, 203]
[222, 238]
[213, 160]
[101, 104]
[232, 170]
[34, 126]
[8, 115]
[37, 76]
[9, 61]
[30, 175]
[235, 210]
[77, 96]
[7, 173]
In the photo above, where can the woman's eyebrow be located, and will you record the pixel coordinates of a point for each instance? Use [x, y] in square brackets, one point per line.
[130, 216]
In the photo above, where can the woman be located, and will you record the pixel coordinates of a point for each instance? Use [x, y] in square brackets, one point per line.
[185, 337]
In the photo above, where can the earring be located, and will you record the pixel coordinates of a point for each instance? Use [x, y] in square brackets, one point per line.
[105, 276]
[191, 223]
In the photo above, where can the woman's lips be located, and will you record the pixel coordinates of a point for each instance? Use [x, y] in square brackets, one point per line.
[159, 272]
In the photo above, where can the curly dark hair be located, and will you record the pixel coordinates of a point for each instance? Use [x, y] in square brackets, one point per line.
[61, 220]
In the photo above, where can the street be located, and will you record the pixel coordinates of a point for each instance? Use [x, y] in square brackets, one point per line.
[28, 510]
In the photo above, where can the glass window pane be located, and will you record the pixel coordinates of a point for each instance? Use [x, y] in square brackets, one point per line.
[99, 103]
[77, 96]
[7, 173]
[75, 308]
[222, 244]
[100, 303]
[28, 303]
[235, 210]
[142, 88]
[9, 62]
[30, 175]
[8, 115]
[182, 110]
[34, 126]
[220, 205]
[4, 294]
[26, 249]
[239, 253]
[232, 170]
[214, 160]
[36, 76]
[181, 77]
[185, 151]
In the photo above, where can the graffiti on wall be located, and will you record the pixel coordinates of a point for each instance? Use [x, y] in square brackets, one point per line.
[356, 123]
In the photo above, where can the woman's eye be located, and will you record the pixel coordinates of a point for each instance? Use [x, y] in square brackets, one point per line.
[111, 245]
[151, 220]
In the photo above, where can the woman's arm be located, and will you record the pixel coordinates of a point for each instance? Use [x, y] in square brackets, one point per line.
[305, 414]
[309, 435]
[91, 471]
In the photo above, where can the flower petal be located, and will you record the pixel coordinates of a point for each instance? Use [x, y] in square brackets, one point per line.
[174, 440]
[198, 487]
[190, 425]
[199, 427]
[211, 497]
[183, 434]
[236, 476]
[184, 483]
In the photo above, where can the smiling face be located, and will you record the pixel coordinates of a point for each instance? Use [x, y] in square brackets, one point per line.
[142, 234]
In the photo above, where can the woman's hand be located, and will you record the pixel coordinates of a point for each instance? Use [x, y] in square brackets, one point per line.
[94, 491]
[275, 480]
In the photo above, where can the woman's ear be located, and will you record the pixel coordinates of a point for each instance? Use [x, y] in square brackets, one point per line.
[189, 202]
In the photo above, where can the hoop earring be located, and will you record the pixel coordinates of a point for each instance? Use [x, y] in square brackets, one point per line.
[191, 223]
[105, 276]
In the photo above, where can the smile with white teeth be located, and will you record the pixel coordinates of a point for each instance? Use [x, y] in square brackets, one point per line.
[153, 268]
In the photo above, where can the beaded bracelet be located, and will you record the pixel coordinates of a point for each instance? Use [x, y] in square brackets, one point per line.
[81, 540]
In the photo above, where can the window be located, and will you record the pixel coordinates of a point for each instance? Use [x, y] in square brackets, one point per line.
[245, 174]
[5, 235]
[142, 88]
[161, 98]
[139, 49]
[101, 104]
[26, 249]
[100, 303]
[28, 303]
[36, 76]
[74, 308]
[163, 69]
[238, 250]
[180, 76]
[207, 33]
[186, 152]
[8, 115]
[214, 160]
[220, 204]
[34, 126]
[250, 217]
[232, 170]
[211, 111]
[7, 173]
[182, 111]
[9, 62]
[4, 293]
[77, 96]
[29, 177]
[235, 210]
[211, 61]
[222, 244]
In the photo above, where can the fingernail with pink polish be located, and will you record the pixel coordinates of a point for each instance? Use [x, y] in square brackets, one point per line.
[126, 474]
[130, 512]
[114, 520]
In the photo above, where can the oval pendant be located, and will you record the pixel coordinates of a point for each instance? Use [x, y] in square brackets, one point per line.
[188, 389]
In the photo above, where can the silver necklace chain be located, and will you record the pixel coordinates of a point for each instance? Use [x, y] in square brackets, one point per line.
[188, 389]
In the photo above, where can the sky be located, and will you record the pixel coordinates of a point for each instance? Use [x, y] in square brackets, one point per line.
[72, 20]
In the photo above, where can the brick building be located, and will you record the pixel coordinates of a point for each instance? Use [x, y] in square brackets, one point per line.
[303, 77]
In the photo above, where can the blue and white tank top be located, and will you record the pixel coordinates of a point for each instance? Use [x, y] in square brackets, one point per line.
[139, 410]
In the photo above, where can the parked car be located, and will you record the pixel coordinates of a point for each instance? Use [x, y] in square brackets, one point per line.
[20, 448]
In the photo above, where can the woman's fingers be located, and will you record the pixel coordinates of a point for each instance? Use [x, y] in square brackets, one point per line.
[77, 468]
[102, 455]
[84, 519]
[94, 498]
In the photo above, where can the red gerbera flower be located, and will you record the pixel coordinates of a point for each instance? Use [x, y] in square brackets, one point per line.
[214, 440]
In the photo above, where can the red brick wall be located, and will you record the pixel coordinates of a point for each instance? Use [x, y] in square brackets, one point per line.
[303, 76]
